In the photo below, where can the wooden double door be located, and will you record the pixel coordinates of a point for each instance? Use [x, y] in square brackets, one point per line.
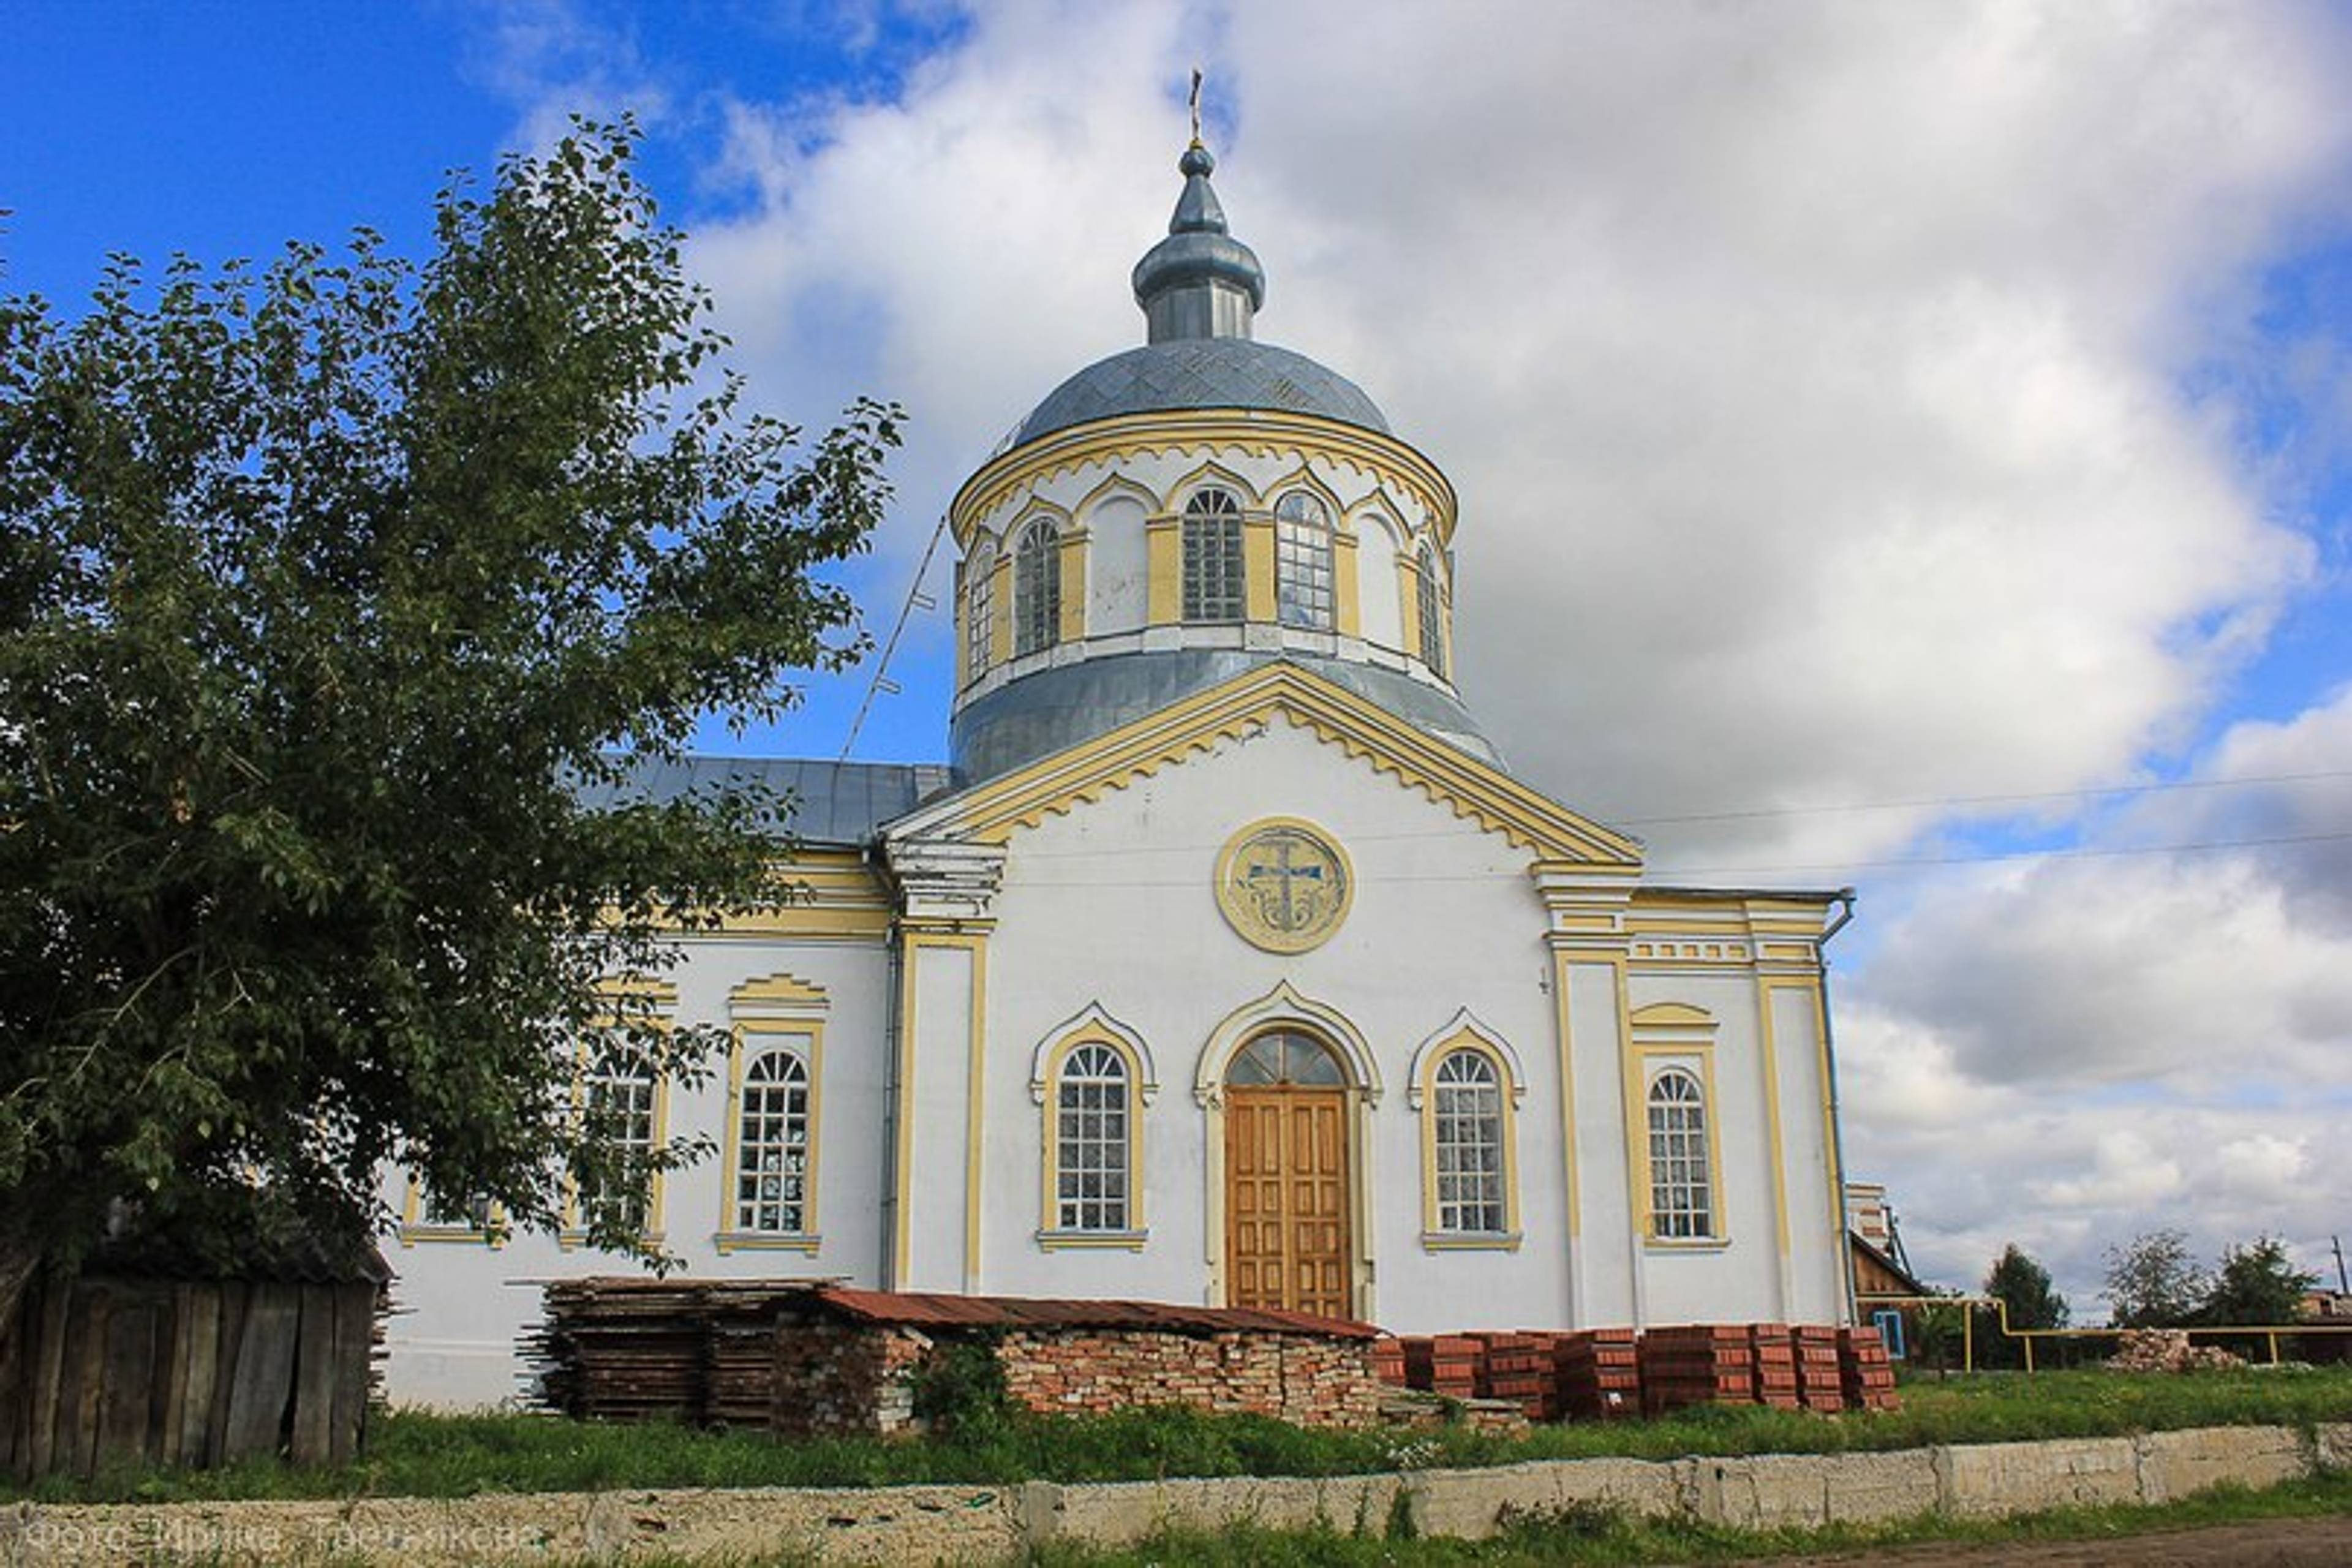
[1289, 1242]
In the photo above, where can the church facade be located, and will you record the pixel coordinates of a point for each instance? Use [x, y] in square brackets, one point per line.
[1224, 962]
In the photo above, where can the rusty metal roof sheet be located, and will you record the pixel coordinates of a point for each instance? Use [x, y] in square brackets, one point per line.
[926, 1310]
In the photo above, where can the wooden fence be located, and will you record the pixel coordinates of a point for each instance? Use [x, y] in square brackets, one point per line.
[100, 1371]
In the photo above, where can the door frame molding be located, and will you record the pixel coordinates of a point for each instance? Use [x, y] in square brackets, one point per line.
[1284, 1008]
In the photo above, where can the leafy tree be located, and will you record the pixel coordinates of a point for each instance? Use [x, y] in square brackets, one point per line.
[2258, 1285]
[2022, 1286]
[2152, 1282]
[328, 595]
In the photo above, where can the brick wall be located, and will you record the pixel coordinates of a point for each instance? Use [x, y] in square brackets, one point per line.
[844, 1379]
[1301, 1378]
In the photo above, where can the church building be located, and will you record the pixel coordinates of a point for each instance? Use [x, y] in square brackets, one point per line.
[1223, 962]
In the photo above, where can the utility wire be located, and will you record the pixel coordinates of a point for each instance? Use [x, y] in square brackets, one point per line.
[1951, 799]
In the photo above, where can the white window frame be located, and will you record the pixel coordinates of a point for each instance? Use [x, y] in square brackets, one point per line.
[1038, 589]
[1683, 1197]
[1215, 565]
[1305, 562]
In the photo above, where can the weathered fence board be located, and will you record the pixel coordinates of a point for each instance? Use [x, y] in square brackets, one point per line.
[99, 1370]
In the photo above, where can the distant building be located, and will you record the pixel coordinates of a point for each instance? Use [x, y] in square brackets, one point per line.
[1225, 964]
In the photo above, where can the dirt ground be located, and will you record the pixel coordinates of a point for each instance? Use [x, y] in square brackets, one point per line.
[2270, 1543]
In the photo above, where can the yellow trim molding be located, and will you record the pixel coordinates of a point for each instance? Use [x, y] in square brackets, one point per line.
[1464, 1033]
[1245, 706]
[776, 1012]
[1092, 1026]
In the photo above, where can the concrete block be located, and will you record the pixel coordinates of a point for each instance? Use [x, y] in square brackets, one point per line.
[1472, 1505]
[1112, 1514]
[1812, 1489]
[2175, 1464]
[1763, 1492]
[2335, 1447]
[1994, 1480]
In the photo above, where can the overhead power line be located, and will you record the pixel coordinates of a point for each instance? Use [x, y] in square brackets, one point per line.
[2020, 797]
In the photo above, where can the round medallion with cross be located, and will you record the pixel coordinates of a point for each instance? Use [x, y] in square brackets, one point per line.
[1284, 885]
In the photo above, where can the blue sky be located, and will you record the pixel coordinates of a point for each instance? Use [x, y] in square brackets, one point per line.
[1865, 418]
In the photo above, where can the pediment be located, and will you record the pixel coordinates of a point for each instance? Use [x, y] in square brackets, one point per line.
[1250, 703]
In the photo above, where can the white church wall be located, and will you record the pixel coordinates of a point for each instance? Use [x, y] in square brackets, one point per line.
[1816, 1206]
[1116, 566]
[1113, 904]
[1606, 1248]
[462, 1305]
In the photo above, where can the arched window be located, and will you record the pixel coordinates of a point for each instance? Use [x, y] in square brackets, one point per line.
[1091, 1141]
[1466, 1143]
[1431, 604]
[1038, 589]
[979, 611]
[1285, 1055]
[1681, 1183]
[1302, 562]
[772, 1146]
[1212, 556]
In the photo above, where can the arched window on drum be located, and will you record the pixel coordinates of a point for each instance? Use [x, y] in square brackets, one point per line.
[1302, 562]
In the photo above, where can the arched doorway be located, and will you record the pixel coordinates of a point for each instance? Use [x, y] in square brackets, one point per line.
[1289, 1242]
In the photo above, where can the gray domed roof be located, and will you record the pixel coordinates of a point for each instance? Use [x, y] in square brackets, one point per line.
[1201, 372]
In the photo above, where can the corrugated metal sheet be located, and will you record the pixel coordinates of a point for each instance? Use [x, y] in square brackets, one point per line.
[923, 1310]
[832, 801]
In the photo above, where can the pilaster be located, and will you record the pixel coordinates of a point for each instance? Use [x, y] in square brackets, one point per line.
[946, 897]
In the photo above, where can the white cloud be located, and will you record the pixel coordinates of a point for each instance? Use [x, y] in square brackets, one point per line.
[1813, 388]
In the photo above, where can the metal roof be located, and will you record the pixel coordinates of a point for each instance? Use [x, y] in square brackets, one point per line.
[1201, 372]
[1052, 709]
[832, 801]
[924, 1309]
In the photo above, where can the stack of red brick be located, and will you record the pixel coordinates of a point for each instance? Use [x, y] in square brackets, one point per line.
[1868, 1374]
[1820, 1379]
[1600, 1373]
[1597, 1374]
[1703, 1364]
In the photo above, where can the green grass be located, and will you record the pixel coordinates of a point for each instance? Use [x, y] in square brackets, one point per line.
[414, 1454]
[1593, 1535]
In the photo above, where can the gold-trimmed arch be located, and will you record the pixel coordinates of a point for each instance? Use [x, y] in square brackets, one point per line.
[1463, 1032]
[1091, 1027]
[1203, 475]
[1285, 1006]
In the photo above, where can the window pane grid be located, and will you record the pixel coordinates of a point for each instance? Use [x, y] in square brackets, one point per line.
[1212, 557]
[1432, 613]
[1090, 1153]
[1037, 590]
[771, 1159]
[622, 1099]
[1467, 1133]
[1302, 562]
[980, 613]
[1682, 1198]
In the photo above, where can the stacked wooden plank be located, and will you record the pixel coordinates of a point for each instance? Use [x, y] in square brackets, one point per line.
[648, 1350]
[1820, 1378]
[1776, 1365]
[1698, 1364]
[1868, 1376]
[1598, 1374]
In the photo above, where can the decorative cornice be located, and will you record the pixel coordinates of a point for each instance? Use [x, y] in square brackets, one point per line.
[947, 881]
[1255, 432]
